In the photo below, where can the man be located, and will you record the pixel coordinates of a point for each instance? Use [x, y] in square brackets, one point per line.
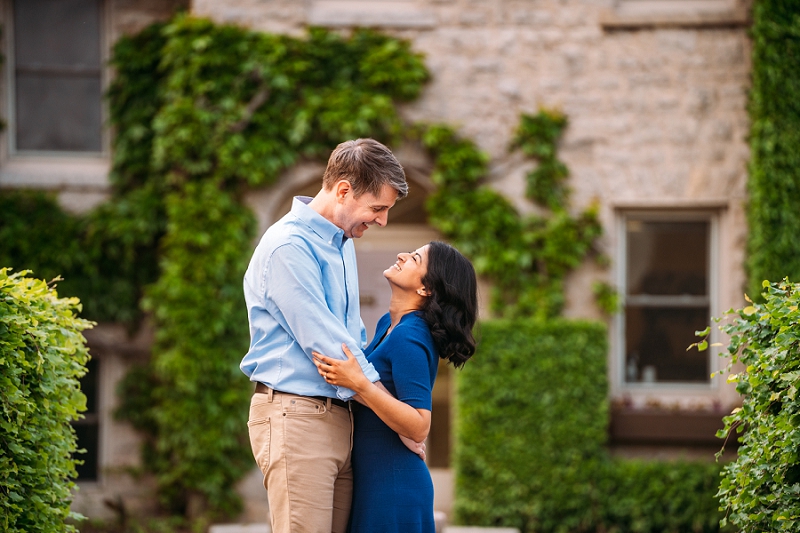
[301, 291]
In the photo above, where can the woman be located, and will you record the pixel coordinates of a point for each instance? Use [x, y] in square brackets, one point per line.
[431, 315]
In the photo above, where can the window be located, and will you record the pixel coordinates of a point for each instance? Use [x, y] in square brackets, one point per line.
[56, 66]
[667, 287]
[87, 429]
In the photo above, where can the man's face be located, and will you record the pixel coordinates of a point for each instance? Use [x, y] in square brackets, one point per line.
[356, 215]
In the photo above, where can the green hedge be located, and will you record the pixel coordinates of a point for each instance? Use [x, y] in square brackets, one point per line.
[532, 416]
[774, 185]
[42, 356]
[531, 429]
[657, 497]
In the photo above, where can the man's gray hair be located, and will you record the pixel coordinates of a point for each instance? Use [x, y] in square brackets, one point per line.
[368, 165]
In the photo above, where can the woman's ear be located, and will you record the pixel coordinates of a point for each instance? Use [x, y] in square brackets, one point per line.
[423, 292]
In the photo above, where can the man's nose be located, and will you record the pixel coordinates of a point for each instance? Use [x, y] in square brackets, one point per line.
[382, 219]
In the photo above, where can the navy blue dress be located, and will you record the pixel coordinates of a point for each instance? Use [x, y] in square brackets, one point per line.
[392, 488]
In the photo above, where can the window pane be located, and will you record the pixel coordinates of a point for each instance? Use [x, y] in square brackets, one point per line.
[89, 385]
[667, 258]
[58, 113]
[63, 33]
[87, 429]
[88, 438]
[58, 75]
[656, 340]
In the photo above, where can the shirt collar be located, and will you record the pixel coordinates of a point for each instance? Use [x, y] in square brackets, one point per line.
[323, 227]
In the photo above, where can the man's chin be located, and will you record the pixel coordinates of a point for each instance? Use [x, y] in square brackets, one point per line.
[358, 232]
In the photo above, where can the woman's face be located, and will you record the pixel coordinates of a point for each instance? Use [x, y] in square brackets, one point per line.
[409, 269]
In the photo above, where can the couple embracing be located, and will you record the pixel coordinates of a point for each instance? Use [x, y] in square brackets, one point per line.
[338, 427]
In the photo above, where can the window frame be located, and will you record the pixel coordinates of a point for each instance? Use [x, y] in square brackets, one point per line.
[632, 15]
[711, 386]
[50, 159]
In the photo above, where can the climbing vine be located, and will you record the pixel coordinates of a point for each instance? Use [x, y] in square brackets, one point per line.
[527, 258]
[225, 109]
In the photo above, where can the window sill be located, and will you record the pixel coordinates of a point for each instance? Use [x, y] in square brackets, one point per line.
[56, 173]
[658, 426]
[386, 14]
[640, 14]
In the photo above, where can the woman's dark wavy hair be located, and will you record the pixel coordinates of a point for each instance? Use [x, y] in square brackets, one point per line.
[452, 308]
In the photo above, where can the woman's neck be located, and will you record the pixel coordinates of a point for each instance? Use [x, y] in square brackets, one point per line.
[401, 304]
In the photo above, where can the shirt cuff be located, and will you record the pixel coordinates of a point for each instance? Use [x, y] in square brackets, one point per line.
[371, 373]
[346, 394]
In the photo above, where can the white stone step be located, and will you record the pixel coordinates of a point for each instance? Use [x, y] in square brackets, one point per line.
[240, 528]
[474, 529]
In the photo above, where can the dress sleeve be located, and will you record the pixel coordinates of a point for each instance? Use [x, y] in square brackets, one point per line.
[411, 359]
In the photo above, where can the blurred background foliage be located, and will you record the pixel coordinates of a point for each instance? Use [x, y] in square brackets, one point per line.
[773, 207]
[226, 109]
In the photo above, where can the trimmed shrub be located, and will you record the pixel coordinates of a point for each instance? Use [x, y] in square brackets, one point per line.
[531, 429]
[657, 496]
[532, 417]
[42, 356]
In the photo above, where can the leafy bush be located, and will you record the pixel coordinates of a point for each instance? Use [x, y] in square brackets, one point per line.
[761, 488]
[531, 427]
[42, 356]
[774, 203]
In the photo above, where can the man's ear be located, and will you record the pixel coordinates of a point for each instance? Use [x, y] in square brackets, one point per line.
[342, 187]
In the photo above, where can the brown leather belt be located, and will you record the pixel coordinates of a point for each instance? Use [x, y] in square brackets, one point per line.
[263, 389]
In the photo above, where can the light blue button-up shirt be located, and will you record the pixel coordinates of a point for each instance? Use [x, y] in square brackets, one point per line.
[301, 291]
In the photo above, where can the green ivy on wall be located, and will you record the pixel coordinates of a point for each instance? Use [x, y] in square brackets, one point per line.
[204, 112]
[773, 208]
[527, 258]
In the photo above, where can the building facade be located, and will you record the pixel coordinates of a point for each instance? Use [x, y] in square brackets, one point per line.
[655, 92]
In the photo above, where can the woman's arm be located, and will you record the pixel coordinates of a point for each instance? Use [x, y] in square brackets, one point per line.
[407, 421]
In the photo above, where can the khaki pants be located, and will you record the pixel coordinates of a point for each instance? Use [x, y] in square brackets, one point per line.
[302, 446]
